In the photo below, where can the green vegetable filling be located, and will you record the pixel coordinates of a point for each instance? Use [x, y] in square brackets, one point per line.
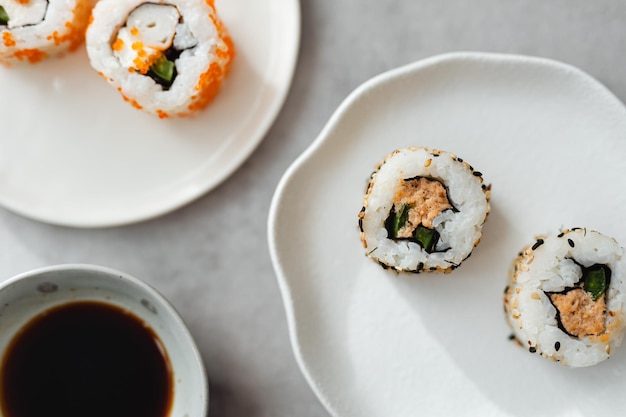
[163, 69]
[595, 280]
[397, 220]
[422, 235]
[427, 238]
[401, 219]
[4, 17]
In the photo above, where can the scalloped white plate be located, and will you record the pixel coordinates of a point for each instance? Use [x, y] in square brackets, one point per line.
[552, 142]
[73, 153]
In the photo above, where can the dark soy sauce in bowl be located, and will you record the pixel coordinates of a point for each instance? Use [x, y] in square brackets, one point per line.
[86, 358]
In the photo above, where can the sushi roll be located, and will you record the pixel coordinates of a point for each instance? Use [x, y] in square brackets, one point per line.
[424, 210]
[36, 29]
[168, 58]
[565, 299]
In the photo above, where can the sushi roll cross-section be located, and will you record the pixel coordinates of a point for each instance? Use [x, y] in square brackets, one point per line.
[423, 210]
[565, 297]
[32, 30]
[168, 58]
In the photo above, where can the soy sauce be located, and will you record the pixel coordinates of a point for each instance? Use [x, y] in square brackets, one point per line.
[86, 359]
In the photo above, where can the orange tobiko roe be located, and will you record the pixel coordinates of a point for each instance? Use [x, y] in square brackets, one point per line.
[210, 81]
[74, 32]
[7, 38]
[118, 45]
[32, 55]
[132, 102]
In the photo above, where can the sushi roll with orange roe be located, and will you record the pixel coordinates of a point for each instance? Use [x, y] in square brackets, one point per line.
[168, 58]
[32, 30]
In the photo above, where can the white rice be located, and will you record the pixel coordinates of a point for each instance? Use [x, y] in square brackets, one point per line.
[552, 267]
[460, 230]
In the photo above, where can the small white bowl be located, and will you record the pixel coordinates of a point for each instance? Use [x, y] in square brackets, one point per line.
[25, 296]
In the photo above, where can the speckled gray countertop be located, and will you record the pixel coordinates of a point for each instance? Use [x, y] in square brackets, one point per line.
[218, 274]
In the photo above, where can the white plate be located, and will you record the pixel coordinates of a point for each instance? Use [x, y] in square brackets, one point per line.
[551, 141]
[72, 152]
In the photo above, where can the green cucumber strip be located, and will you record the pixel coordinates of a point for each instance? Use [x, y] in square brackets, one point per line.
[401, 219]
[427, 238]
[163, 68]
[397, 220]
[4, 17]
[595, 281]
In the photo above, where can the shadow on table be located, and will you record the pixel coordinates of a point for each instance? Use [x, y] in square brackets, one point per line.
[228, 401]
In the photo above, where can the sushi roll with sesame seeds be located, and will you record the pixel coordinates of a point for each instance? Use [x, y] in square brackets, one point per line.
[33, 30]
[565, 299]
[424, 210]
[168, 58]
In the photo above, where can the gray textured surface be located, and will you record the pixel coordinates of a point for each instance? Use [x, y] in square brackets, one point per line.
[211, 258]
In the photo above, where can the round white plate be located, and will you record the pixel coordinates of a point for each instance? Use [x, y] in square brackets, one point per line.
[72, 152]
[550, 140]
